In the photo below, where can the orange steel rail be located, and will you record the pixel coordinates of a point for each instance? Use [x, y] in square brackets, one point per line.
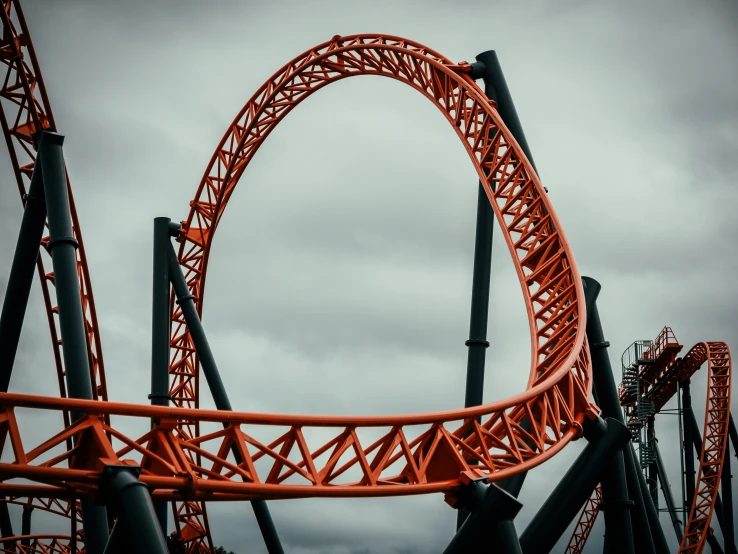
[585, 524]
[40, 544]
[715, 435]
[25, 111]
[559, 386]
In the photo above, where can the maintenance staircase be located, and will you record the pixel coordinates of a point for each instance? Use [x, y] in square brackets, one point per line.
[647, 376]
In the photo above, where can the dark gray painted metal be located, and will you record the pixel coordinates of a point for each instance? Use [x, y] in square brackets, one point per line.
[21, 275]
[725, 487]
[487, 67]
[160, 332]
[657, 532]
[215, 383]
[689, 472]
[619, 521]
[696, 435]
[6, 527]
[668, 496]
[488, 506]
[564, 503]
[653, 483]
[71, 320]
[137, 519]
[16, 295]
[733, 435]
[714, 545]
[506, 538]
[26, 524]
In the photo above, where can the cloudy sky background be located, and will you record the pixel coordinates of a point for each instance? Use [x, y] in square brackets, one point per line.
[341, 275]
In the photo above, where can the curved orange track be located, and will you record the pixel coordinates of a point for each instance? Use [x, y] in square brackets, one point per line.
[714, 448]
[555, 403]
[559, 386]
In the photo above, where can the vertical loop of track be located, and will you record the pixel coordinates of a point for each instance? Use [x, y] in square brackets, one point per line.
[24, 112]
[541, 255]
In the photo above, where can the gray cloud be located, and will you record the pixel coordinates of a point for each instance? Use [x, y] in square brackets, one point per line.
[341, 274]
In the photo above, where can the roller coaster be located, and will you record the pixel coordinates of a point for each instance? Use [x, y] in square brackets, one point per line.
[116, 490]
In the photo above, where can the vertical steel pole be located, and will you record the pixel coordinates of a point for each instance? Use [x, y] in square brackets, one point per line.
[668, 497]
[725, 487]
[160, 325]
[689, 472]
[215, 383]
[26, 524]
[614, 482]
[62, 246]
[7, 528]
[487, 67]
[733, 435]
[680, 417]
[653, 484]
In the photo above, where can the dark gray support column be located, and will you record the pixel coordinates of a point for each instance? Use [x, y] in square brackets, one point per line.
[137, 524]
[215, 383]
[62, 246]
[653, 483]
[26, 524]
[733, 435]
[619, 521]
[725, 487]
[657, 532]
[488, 506]
[487, 67]
[21, 275]
[566, 500]
[160, 333]
[645, 541]
[696, 435]
[668, 497]
[6, 527]
[714, 544]
[687, 416]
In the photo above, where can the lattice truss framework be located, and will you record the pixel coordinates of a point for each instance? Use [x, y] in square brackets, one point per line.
[559, 384]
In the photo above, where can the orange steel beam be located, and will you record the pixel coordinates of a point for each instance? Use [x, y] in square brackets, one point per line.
[714, 442]
[542, 257]
[40, 544]
[290, 463]
[585, 524]
[25, 111]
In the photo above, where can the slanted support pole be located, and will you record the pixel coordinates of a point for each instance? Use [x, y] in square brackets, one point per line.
[653, 483]
[160, 327]
[687, 415]
[487, 67]
[605, 438]
[668, 496]
[617, 504]
[26, 524]
[210, 369]
[137, 527]
[725, 487]
[63, 246]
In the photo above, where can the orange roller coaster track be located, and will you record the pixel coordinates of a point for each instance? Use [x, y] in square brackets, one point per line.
[296, 456]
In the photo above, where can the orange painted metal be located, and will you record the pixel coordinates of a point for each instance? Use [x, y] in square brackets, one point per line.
[714, 440]
[585, 524]
[40, 544]
[559, 383]
[25, 111]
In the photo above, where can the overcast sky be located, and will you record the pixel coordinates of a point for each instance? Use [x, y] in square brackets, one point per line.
[340, 278]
